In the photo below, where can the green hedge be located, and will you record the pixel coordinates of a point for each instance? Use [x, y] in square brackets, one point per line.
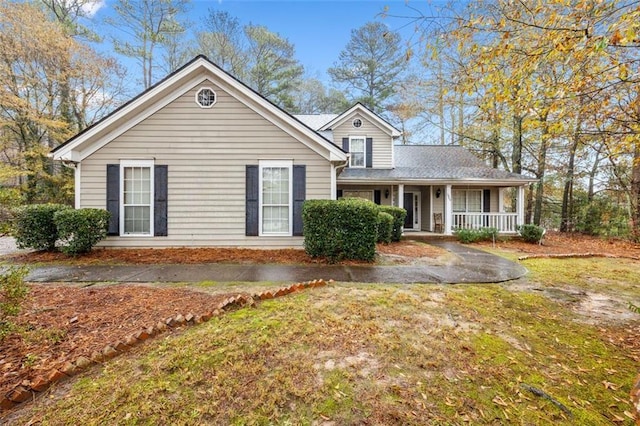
[385, 227]
[340, 229]
[399, 215]
[33, 226]
[531, 233]
[473, 235]
[79, 230]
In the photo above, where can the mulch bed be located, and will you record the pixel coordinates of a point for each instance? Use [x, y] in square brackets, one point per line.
[555, 243]
[61, 323]
[213, 255]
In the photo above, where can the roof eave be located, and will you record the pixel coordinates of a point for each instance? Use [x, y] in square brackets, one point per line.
[437, 181]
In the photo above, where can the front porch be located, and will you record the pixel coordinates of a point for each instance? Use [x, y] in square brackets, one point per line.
[443, 208]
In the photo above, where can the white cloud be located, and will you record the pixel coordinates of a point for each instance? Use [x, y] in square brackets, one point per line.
[91, 7]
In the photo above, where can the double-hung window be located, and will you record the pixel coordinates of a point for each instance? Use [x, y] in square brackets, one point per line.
[136, 206]
[275, 197]
[357, 147]
[467, 200]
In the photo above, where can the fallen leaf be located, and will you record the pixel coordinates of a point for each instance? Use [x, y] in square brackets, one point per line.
[499, 401]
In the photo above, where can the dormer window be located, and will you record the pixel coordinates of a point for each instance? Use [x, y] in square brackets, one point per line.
[357, 151]
[357, 123]
[206, 97]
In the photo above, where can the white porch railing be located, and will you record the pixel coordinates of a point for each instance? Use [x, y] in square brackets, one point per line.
[505, 223]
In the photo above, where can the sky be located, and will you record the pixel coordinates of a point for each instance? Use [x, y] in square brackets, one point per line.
[318, 29]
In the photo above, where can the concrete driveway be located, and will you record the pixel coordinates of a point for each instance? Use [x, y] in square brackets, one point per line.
[471, 266]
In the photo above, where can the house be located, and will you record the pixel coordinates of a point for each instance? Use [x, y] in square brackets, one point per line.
[200, 159]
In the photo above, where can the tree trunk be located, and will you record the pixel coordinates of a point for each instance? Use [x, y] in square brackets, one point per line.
[441, 103]
[592, 175]
[566, 215]
[461, 118]
[529, 207]
[540, 173]
[516, 154]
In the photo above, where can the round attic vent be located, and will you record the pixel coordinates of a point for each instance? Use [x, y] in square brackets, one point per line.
[356, 123]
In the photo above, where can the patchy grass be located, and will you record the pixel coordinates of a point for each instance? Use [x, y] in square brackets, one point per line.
[375, 354]
[614, 276]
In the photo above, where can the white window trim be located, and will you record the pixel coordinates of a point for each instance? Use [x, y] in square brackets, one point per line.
[215, 99]
[282, 164]
[466, 200]
[364, 152]
[137, 163]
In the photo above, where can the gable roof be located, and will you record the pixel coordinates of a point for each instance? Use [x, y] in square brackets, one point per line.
[170, 88]
[451, 163]
[366, 112]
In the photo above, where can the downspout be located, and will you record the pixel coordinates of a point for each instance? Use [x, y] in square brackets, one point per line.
[76, 180]
[336, 169]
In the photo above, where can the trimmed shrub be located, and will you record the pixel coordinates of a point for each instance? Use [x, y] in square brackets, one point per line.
[531, 233]
[33, 226]
[385, 227]
[467, 236]
[340, 229]
[13, 290]
[79, 230]
[399, 215]
[10, 199]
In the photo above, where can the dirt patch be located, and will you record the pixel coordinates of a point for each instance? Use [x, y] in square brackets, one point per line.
[61, 323]
[561, 243]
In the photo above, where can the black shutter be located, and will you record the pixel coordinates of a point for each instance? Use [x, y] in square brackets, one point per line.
[376, 196]
[338, 193]
[113, 198]
[486, 207]
[345, 144]
[160, 201]
[369, 162]
[299, 195]
[252, 189]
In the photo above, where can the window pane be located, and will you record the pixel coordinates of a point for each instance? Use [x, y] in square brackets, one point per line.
[136, 220]
[275, 219]
[474, 201]
[357, 145]
[137, 200]
[357, 159]
[459, 201]
[275, 200]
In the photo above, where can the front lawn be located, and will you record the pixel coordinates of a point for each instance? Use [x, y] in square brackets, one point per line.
[527, 352]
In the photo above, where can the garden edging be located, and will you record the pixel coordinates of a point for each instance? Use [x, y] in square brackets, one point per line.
[29, 389]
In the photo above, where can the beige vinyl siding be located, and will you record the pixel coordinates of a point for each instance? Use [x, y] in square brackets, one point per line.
[425, 223]
[493, 207]
[382, 141]
[206, 151]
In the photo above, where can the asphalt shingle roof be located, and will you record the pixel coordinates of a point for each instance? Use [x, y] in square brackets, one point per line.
[433, 162]
[315, 121]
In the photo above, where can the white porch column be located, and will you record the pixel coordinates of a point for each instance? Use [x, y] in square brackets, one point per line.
[431, 228]
[500, 200]
[448, 210]
[520, 207]
[401, 195]
[334, 184]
